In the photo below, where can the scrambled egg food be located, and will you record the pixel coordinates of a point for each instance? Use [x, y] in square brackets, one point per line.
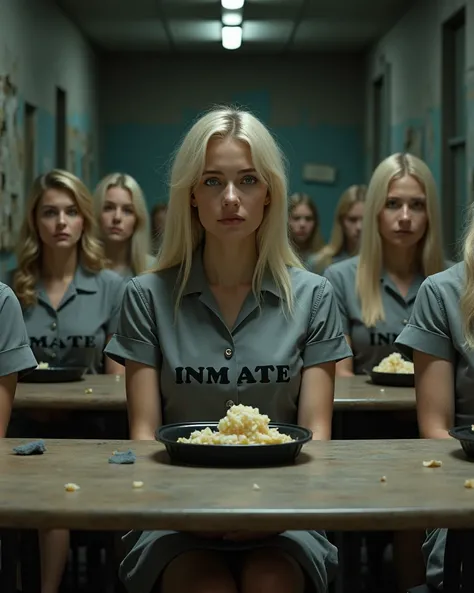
[243, 425]
[395, 364]
[43, 365]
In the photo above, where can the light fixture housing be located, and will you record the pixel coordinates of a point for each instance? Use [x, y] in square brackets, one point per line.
[232, 18]
[231, 37]
[232, 4]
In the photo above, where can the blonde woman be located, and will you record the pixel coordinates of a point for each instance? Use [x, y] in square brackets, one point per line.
[124, 224]
[346, 230]
[304, 227]
[227, 288]
[70, 307]
[439, 338]
[401, 245]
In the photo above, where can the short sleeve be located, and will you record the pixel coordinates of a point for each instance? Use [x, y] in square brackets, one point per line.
[136, 337]
[15, 353]
[116, 292]
[337, 282]
[427, 330]
[325, 341]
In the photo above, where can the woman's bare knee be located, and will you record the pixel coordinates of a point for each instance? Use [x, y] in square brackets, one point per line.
[197, 572]
[272, 571]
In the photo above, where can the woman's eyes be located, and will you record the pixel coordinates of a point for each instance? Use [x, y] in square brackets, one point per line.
[415, 205]
[247, 180]
[51, 212]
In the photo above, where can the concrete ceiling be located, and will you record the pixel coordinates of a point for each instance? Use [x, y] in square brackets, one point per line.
[269, 26]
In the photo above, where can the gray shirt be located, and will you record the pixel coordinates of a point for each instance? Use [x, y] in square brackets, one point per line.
[15, 353]
[203, 367]
[75, 333]
[435, 328]
[314, 263]
[370, 344]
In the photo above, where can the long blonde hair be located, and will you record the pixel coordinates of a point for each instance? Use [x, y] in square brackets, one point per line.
[337, 242]
[183, 232]
[140, 244]
[315, 241]
[467, 297]
[370, 261]
[29, 243]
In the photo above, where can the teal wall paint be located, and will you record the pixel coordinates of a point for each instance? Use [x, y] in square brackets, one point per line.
[146, 151]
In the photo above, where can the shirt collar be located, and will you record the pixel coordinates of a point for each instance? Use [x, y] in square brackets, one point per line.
[197, 281]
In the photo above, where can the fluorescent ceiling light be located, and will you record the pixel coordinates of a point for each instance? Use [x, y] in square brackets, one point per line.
[232, 18]
[232, 4]
[231, 37]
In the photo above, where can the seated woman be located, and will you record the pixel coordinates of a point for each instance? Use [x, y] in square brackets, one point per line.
[439, 338]
[346, 230]
[124, 225]
[304, 227]
[229, 295]
[70, 307]
[16, 356]
[401, 244]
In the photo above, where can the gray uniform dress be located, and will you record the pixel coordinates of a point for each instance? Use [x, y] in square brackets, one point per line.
[204, 368]
[75, 333]
[435, 328]
[313, 263]
[15, 353]
[370, 345]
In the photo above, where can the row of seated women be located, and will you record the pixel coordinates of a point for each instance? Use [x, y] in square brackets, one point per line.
[230, 293]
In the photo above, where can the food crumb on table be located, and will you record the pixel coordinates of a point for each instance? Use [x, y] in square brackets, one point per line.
[469, 484]
[88, 390]
[255, 487]
[138, 484]
[432, 463]
[70, 487]
[383, 479]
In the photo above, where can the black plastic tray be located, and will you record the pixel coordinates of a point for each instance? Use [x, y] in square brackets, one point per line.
[54, 375]
[393, 379]
[231, 455]
[465, 436]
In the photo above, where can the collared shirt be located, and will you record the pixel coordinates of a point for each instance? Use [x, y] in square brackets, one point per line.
[15, 353]
[75, 333]
[204, 367]
[435, 328]
[370, 344]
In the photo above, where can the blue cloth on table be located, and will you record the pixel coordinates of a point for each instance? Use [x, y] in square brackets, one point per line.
[123, 457]
[31, 448]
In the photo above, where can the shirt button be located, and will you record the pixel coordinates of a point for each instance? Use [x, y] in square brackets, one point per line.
[54, 325]
[229, 403]
[228, 353]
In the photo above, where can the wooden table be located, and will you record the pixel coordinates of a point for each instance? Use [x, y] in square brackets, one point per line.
[108, 393]
[335, 486]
